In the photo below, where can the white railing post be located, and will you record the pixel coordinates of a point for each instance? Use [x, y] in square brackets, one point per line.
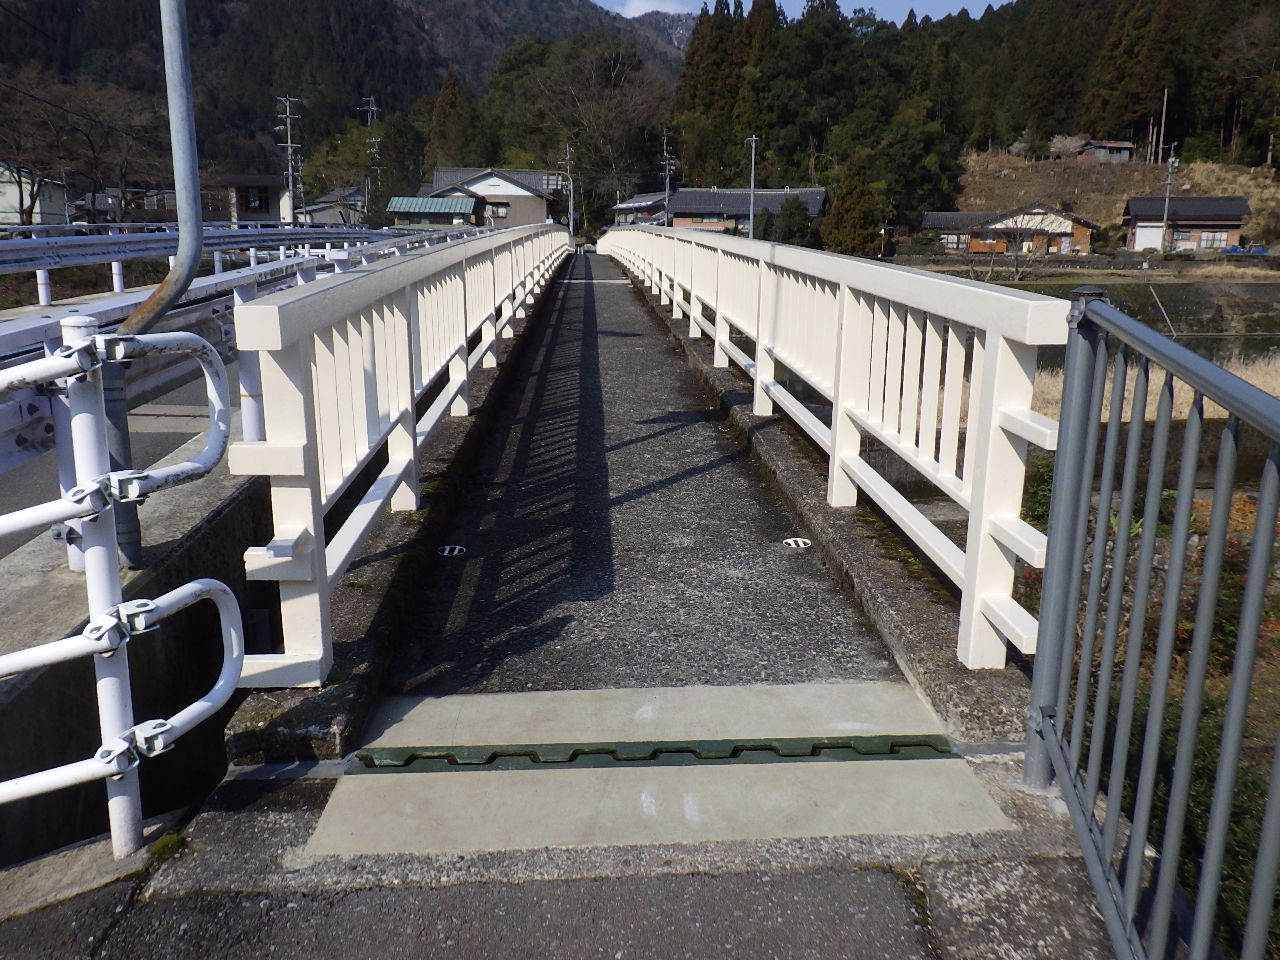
[995, 466]
[44, 288]
[720, 357]
[249, 373]
[402, 441]
[768, 308]
[295, 557]
[851, 385]
[456, 315]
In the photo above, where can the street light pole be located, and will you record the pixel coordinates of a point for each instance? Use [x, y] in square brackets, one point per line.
[751, 220]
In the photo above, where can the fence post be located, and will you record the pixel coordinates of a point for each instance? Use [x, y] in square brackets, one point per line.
[851, 385]
[1056, 641]
[994, 469]
[719, 357]
[102, 585]
[766, 325]
[295, 558]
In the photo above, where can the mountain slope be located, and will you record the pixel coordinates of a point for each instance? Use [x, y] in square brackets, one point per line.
[473, 33]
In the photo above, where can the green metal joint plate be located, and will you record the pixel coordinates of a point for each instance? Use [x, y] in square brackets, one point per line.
[673, 753]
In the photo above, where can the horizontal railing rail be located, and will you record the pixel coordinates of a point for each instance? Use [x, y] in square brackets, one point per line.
[1154, 699]
[935, 369]
[73, 372]
[47, 249]
[356, 371]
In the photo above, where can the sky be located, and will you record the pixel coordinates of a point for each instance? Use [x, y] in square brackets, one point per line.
[894, 10]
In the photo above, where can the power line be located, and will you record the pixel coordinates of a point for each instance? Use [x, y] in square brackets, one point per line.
[17, 16]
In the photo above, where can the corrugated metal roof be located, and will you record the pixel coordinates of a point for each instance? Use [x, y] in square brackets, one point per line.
[736, 202]
[1189, 208]
[430, 205]
[640, 201]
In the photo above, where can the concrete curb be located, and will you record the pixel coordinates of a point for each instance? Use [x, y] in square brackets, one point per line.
[913, 612]
[372, 607]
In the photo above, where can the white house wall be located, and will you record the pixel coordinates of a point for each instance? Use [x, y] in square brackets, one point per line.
[1034, 222]
[497, 187]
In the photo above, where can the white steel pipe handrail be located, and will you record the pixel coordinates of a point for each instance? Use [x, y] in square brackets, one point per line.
[137, 484]
[87, 500]
[149, 738]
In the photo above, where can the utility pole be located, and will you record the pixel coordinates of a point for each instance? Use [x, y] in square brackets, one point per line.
[1164, 112]
[666, 177]
[369, 107]
[567, 160]
[753, 140]
[374, 178]
[285, 104]
[1168, 187]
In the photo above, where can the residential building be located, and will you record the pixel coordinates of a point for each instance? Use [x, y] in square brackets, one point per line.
[954, 229]
[344, 205]
[1036, 229]
[512, 198]
[1108, 151]
[51, 196]
[723, 209]
[642, 208]
[257, 198]
[1191, 223]
[437, 211]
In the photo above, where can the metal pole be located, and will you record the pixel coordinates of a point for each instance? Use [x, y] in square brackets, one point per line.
[182, 268]
[753, 140]
[102, 585]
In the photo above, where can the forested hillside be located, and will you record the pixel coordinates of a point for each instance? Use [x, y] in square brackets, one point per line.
[880, 114]
[330, 54]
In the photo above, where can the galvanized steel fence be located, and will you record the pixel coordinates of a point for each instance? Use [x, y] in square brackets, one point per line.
[356, 371]
[937, 370]
[1156, 697]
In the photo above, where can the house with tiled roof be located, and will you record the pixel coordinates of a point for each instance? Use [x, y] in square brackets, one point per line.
[1190, 223]
[512, 198]
[1037, 228]
[720, 208]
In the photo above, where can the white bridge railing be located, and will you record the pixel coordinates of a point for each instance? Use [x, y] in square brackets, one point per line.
[356, 370]
[936, 369]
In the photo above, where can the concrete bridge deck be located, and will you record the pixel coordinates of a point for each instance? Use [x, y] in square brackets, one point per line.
[625, 581]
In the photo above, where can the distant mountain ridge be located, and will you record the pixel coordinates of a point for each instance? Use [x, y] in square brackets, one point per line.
[675, 28]
[471, 34]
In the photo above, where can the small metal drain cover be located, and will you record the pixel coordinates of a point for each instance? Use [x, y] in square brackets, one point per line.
[798, 543]
[452, 550]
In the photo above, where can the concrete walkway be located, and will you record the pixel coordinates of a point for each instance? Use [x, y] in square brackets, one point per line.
[625, 580]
